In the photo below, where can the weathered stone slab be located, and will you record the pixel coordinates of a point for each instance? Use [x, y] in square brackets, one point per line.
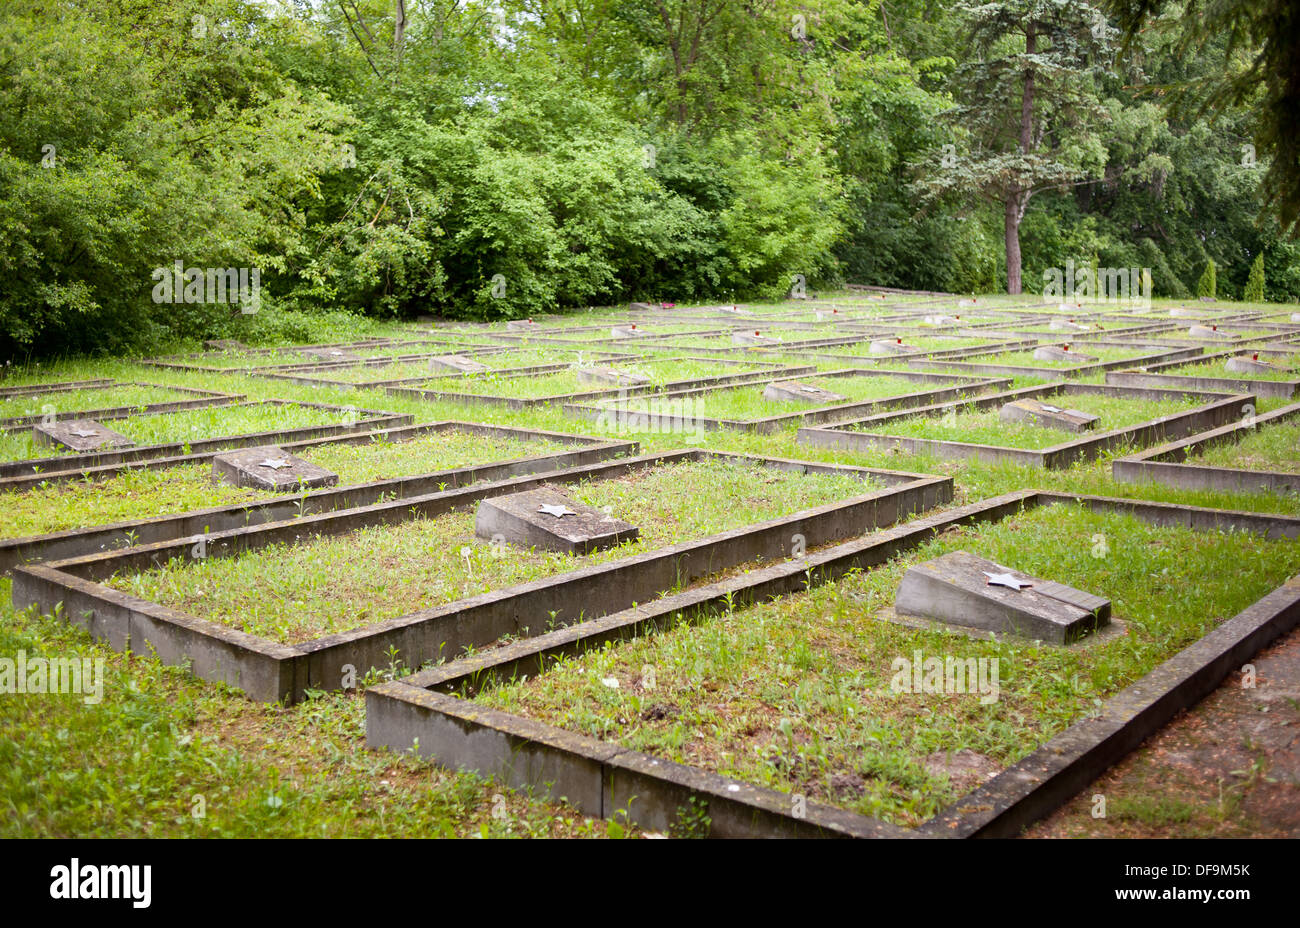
[547, 519]
[1207, 331]
[457, 362]
[965, 303]
[1295, 317]
[1037, 412]
[793, 391]
[628, 331]
[753, 338]
[1061, 353]
[734, 310]
[604, 375]
[269, 468]
[522, 325]
[1182, 312]
[79, 435]
[1067, 325]
[642, 307]
[1251, 364]
[941, 319]
[960, 588]
[892, 346]
[224, 344]
[331, 354]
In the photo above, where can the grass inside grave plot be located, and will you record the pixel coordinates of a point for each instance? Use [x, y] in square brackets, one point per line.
[188, 425]
[862, 349]
[67, 401]
[294, 593]
[142, 493]
[565, 382]
[1268, 448]
[1027, 359]
[747, 402]
[424, 368]
[796, 694]
[984, 428]
[1288, 369]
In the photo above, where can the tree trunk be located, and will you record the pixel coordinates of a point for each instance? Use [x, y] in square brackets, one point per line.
[1017, 197]
[1013, 243]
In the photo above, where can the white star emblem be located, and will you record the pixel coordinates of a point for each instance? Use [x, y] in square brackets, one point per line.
[1050, 408]
[274, 463]
[84, 433]
[557, 511]
[1006, 580]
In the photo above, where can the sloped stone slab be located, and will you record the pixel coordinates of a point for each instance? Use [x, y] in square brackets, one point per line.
[941, 319]
[753, 338]
[955, 589]
[456, 362]
[1205, 331]
[269, 468]
[522, 325]
[79, 435]
[1061, 353]
[331, 354]
[1036, 412]
[1182, 312]
[1067, 325]
[547, 519]
[643, 307]
[628, 331]
[1246, 364]
[794, 391]
[609, 375]
[892, 346]
[224, 344]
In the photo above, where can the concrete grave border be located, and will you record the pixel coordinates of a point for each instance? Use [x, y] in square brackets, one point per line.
[511, 402]
[1080, 370]
[954, 386]
[204, 398]
[1167, 463]
[117, 535]
[18, 475]
[71, 588]
[1151, 377]
[1221, 408]
[432, 712]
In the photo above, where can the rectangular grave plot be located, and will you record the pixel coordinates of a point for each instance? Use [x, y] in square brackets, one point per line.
[102, 402]
[18, 475]
[710, 409]
[1210, 411]
[1211, 372]
[554, 451]
[268, 670]
[212, 362]
[1097, 357]
[1254, 454]
[515, 391]
[452, 712]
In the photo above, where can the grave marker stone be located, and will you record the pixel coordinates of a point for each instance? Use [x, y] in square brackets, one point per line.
[1061, 353]
[331, 354]
[269, 468]
[79, 435]
[457, 362]
[1048, 415]
[1207, 331]
[753, 338]
[1250, 364]
[793, 391]
[547, 519]
[960, 588]
[604, 375]
[224, 344]
[892, 346]
[628, 331]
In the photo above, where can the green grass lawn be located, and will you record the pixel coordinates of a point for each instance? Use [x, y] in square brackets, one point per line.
[1027, 359]
[796, 694]
[296, 592]
[1289, 369]
[159, 738]
[566, 382]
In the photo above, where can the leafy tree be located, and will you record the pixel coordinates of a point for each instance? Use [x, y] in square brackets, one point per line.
[1254, 292]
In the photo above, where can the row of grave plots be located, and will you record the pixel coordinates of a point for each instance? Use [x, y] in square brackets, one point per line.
[774, 646]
